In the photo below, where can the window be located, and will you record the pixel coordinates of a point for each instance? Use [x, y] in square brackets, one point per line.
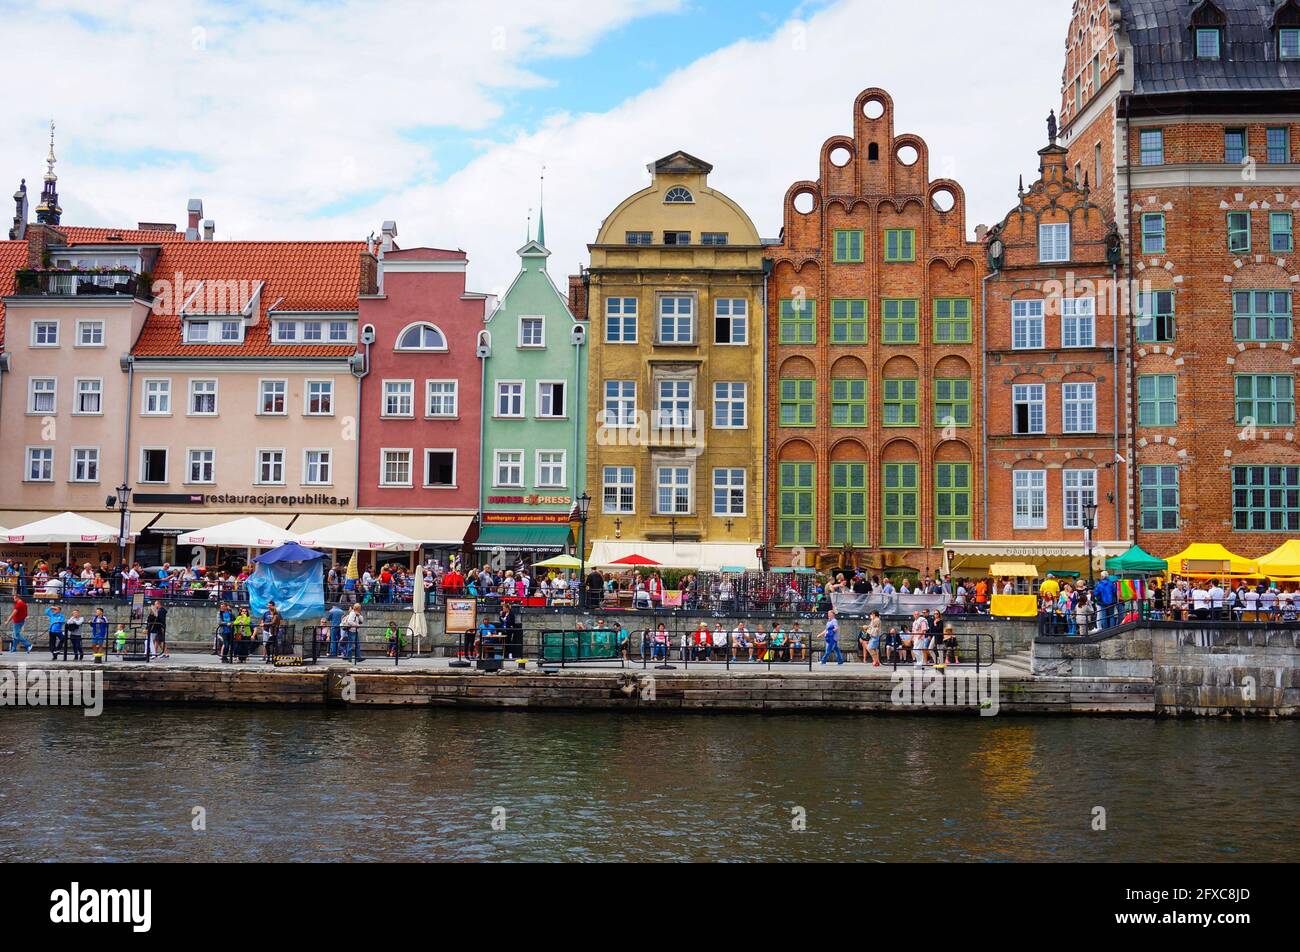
[1207, 44]
[42, 395]
[316, 468]
[848, 247]
[678, 195]
[550, 400]
[902, 510]
[551, 469]
[395, 468]
[340, 332]
[1265, 399]
[620, 403]
[952, 321]
[795, 519]
[673, 404]
[1028, 408]
[510, 398]
[849, 504]
[320, 398]
[1026, 325]
[1096, 73]
[1152, 147]
[422, 337]
[214, 332]
[900, 324]
[1077, 319]
[1080, 491]
[1096, 165]
[90, 333]
[1279, 232]
[45, 333]
[90, 396]
[951, 502]
[1288, 44]
[203, 398]
[729, 492]
[153, 466]
[270, 467]
[399, 398]
[618, 485]
[900, 244]
[1278, 141]
[508, 466]
[1155, 317]
[676, 319]
[731, 321]
[1159, 494]
[620, 320]
[951, 401]
[797, 402]
[849, 402]
[532, 332]
[713, 238]
[1029, 488]
[901, 403]
[1079, 407]
[442, 398]
[848, 321]
[286, 332]
[440, 469]
[1266, 498]
[1261, 315]
[1238, 232]
[1234, 145]
[673, 490]
[1054, 242]
[1157, 400]
[1153, 234]
[85, 465]
[40, 464]
[729, 406]
[272, 399]
[677, 238]
[157, 398]
[201, 466]
[640, 238]
[798, 321]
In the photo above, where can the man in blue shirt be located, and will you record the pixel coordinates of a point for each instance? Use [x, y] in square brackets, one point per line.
[55, 614]
[1104, 593]
[832, 635]
[335, 616]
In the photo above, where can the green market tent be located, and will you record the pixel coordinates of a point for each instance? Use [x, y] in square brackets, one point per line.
[1137, 561]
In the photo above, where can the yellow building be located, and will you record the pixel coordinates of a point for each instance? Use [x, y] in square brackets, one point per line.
[676, 399]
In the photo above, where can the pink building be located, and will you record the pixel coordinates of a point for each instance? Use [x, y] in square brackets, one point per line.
[421, 399]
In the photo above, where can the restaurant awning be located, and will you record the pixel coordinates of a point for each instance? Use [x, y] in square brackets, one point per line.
[1013, 570]
[64, 528]
[701, 556]
[526, 537]
[964, 559]
[428, 530]
[357, 534]
[248, 532]
[194, 521]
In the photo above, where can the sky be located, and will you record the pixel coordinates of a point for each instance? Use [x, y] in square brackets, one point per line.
[321, 119]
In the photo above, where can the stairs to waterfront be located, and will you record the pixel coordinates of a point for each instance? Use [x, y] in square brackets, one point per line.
[1018, 663]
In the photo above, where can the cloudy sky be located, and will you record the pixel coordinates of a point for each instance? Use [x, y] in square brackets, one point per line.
[298, 119]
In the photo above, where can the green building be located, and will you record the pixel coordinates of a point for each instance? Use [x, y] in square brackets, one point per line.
[534, 404]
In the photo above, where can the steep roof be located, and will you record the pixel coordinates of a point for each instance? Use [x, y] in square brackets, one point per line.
[1164, 53]
[13, 257]
[95, 236]
[315, 276]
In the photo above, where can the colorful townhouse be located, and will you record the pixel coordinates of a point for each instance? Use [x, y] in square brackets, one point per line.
[534, 410]
[420, 422]
[873, 359]
[1185, 119]
[674, 440]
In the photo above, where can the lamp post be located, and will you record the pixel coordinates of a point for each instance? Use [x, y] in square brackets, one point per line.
[122, 500]
[584, 504]
[1089, 524]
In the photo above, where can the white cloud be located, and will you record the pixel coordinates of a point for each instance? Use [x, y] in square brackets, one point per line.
[304, 109]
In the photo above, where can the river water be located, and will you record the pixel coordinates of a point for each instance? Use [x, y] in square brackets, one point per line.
[277, 784]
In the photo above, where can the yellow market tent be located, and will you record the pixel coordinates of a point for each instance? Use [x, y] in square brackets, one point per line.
[1013, 570]
[1282, 562]
[1209, 560]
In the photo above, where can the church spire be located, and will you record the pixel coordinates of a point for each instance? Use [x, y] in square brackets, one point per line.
[48, 211]
[541, 212]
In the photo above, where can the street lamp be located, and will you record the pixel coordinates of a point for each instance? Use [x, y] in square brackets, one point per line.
[1089, 523]
[122, 501]
[584, 505]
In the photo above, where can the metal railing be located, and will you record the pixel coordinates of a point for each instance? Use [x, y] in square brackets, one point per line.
[67, 282]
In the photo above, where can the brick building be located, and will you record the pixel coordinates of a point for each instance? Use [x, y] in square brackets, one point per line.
[1185, 116]
[873, 358]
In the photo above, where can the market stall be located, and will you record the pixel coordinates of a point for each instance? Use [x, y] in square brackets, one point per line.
[1210, 560]
[1022, 604]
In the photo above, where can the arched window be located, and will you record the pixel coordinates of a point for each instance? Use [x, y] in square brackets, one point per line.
[421, 337]
[678, 195]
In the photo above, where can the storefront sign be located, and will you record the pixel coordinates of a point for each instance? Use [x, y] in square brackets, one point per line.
[199, 499]
[461, 615]
[532, 518]
[530, 500]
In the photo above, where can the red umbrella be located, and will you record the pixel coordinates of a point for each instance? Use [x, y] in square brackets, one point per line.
[635, 560]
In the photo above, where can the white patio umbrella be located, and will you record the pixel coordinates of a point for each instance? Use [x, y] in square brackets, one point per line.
[358, 534]
[65, 528]
[419, 624]
[247, 533]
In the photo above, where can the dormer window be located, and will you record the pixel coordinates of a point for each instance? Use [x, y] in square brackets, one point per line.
[678, 195]
[422, 337]
[214, 332]
[1209, 41]
[1288, 44]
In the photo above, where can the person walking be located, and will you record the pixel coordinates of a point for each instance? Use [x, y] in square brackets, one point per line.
[832, 636]
[74, 625]
[156, 630]
[57, 629]
[874, 627]
[18, 618]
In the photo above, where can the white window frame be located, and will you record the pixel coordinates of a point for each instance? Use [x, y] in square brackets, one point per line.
[622, 402]
[692, 320]
[1049, 242]
[728, 486]
[307, 466]
[1027, 317]
[53, 393]
[77, 394]
[731, 317]
[209, 324]
[496, 400]
[72, 464]
[397, 343]
[307, 395]
[539, 468]
[676, 413]
[48, 464]
[261, 397]
[82, 327]
[257, 466]
[1077, 315]
[541, 320]
[730, 401]
[1039, 401]
[553, 416]
[189, 403]
[46, 345]
[675, 486]
[619, 486]
[163, 393]
[1082, 397]
[189, 465]
[167, 465]
[1034, 491]
[496, 469]
[383, 467]
[408, 414]
[454, 395]
[1073, 518]
[623, 316]
[455, 467]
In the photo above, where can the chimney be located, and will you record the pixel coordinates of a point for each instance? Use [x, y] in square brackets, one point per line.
[577, 297]
[390, 232]
[19, 229]
[155, 226]
[368, 277]
[209, 229]
[40, 239]
[195, 210]
[981, 232]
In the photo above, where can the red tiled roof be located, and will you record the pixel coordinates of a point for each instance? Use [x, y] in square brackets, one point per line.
[13, 258]
[297, 276]
[90, 236]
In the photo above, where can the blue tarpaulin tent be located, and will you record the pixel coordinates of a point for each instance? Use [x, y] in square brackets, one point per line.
[291, 576]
